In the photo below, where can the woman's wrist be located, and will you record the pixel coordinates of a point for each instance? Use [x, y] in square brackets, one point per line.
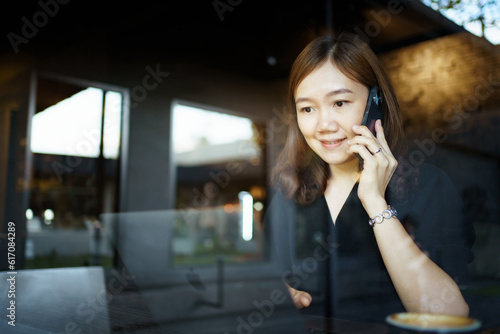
[375, 207]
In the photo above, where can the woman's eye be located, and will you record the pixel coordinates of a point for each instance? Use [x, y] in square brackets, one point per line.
[306, 109]
[339, 103]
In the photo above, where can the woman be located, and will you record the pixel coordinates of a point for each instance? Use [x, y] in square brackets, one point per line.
[318, 169]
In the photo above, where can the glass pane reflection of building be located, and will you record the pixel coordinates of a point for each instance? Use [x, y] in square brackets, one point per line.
[220, 163]
[75, 144]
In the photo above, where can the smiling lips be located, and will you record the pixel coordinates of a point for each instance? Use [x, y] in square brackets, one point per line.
[331, 144]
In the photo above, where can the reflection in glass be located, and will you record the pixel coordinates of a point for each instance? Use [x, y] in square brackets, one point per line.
[73, 125]
[196, 127]
[220, 163]
[75, 141]
[112, 124]
[246, 202]
[201, 236]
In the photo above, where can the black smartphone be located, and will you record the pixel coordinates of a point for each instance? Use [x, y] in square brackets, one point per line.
[373, 109]
[373, 112]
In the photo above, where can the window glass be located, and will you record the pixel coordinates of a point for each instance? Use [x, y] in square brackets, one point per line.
[220, 163]
[73, 126]
[75, 174]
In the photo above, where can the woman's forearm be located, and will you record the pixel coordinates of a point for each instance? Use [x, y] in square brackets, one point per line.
[421, 285]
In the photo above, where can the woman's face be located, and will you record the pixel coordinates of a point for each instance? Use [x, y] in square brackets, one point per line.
[328, 105]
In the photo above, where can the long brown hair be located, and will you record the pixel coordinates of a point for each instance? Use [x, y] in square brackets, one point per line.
[299, 171]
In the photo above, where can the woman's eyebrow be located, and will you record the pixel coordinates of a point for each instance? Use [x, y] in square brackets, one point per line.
[339, 91]
[329, 94]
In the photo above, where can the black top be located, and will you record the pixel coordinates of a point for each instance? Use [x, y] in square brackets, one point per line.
[340, 264]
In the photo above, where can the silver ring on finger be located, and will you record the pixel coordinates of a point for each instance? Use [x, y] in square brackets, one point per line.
[378, 151]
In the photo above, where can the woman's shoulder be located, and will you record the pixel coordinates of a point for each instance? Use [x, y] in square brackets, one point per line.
[430, 172]
[427, 177]
[432, 178]
[428, 183]
[433, 191]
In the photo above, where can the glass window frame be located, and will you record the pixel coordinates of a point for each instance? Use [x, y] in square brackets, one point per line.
[270, 267]
[122, 158]
[124, 136]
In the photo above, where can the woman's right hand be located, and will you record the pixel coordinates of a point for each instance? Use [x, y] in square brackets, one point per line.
[300, 298]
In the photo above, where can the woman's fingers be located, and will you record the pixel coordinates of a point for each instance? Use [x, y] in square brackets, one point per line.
[300, 298]
[381, 136]
[378, 162]
[376, 146]
[365, 138]
[385, 146]
[304, 299]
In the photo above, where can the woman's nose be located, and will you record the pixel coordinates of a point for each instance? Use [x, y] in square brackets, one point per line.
[327, 121]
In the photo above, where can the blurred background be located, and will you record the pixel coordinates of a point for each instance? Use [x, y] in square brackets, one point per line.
[114, 107]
